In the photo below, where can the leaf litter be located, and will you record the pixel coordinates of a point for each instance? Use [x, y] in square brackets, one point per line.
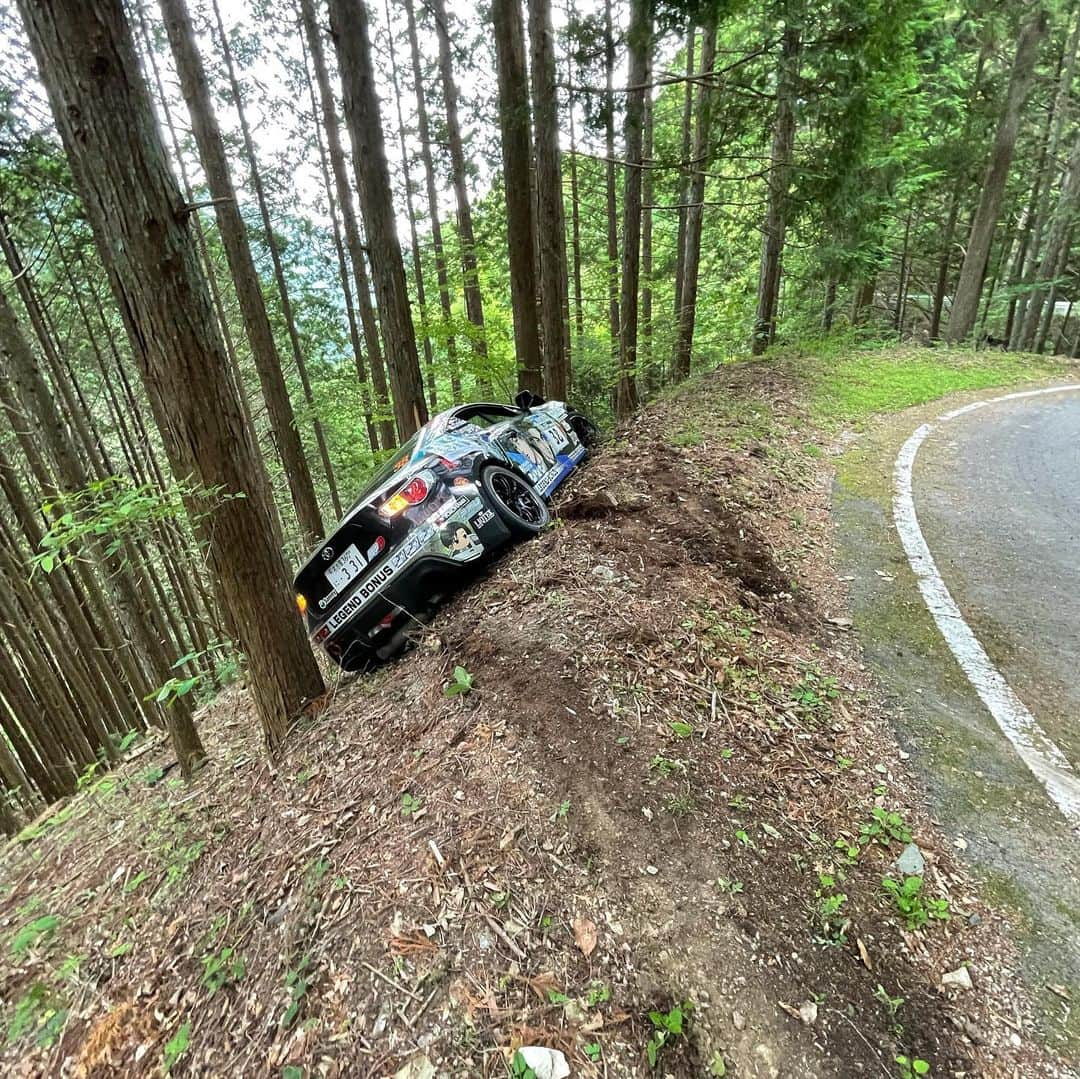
[629, 814]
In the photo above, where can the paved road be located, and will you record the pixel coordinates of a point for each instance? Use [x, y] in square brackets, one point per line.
[997, 492]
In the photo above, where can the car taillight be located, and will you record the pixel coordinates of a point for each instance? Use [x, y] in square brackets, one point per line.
[301, 602]
[412, 494]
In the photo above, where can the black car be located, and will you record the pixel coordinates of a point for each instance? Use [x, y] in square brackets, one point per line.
[467, 483]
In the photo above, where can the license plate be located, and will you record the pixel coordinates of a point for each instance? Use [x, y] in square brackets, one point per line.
[345, 568]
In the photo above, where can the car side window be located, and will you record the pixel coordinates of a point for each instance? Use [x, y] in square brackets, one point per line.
[486, 417]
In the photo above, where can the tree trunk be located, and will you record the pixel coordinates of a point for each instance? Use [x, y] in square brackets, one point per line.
[943, 266]
[275, 260]
[550, 216]
[639, 43]
[349, 223]
[86, 58]
[410, 213]
[575, 242]
[424, 132]
[965, 304]
[1040, 210]
[349, 30]
[516, 154]
[685, 166]
[609, 184]
[260, 335]
[474, 304]
[646, 365]
[828, 310]
[684, 341]
[342, 260]
[775, 228]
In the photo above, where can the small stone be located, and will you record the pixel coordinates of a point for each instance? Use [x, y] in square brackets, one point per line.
[603, 573]
[911, 862]
[974, 919]
[808, 1012]
[957, 979]
[739, 1020]
[1014, 1040]
[651, 870]
[646, 812]
[546, 1063]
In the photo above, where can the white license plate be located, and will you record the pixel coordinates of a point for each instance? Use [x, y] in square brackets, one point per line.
[345, 568]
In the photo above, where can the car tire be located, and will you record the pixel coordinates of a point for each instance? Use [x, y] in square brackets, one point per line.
[518, 504]
[587, 431]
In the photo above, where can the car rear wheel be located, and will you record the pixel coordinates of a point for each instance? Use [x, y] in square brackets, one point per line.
[515, 500]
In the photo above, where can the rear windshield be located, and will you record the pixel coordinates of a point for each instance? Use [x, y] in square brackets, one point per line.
[397, 462]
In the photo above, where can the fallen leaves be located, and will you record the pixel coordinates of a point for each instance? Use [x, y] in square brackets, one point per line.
[585, 935]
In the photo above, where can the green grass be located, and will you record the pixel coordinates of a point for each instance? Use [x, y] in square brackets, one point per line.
[848, 384]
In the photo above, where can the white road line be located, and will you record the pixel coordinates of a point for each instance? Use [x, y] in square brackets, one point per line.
[1047, 763]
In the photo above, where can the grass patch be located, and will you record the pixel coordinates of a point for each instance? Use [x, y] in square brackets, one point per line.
[848, 383]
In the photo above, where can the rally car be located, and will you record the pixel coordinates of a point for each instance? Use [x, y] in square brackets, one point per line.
[467, 483]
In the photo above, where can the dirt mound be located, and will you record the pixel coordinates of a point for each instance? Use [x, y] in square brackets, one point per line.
[621, 800]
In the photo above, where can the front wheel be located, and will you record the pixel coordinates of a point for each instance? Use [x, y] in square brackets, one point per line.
[587, 431]
[515, 500]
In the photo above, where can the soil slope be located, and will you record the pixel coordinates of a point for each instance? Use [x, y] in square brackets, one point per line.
[668, 785]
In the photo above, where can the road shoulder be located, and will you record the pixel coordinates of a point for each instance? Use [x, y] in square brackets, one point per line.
[997, 815]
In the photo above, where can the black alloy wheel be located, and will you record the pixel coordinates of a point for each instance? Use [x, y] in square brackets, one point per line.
[516, 501]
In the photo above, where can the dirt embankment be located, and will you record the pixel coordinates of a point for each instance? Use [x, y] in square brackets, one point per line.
[667, 791]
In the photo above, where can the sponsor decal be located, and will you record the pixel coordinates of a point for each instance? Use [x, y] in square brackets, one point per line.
[327, 553]
[482, 518]
[374, 584]
[446, 510]
[549, 478]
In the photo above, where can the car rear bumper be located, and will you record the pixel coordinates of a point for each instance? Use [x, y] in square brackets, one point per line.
[405, 586]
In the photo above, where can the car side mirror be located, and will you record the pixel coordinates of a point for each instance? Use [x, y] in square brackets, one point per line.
[526, 399]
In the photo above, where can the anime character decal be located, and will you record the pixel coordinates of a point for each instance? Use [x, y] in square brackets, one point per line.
[460, 542]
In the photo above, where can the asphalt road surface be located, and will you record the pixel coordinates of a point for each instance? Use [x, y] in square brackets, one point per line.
[997, 495]
[997, 492]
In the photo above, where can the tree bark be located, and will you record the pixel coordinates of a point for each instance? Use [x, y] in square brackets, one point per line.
[264, 352]
[516, 155]
[86, 59]
[351, 226]
[1040, 210]
[684, 342]
[965, 306]
[639, 43]
[575, 242]
[342, 260]
[275, 259]
[550, 215]
[349, 31]
[646, 366]
[686, 167]
[410, 212]
[441, 275]
[775, 226]
[474, 304]
[609, 186]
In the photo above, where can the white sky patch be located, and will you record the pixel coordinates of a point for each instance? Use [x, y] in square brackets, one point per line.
[1038, 751]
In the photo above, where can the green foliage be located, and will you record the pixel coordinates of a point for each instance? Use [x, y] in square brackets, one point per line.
[914, 907]
[460, 684]
[410, 804]
[884, 827]
[176, 1047]
[829, 911]
[39, 1012]
[667, 1026]
[912, 1067]
[222, 968]
[297, 982]
[33, 933]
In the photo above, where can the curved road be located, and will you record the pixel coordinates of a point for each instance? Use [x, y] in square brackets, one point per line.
[997, 492]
